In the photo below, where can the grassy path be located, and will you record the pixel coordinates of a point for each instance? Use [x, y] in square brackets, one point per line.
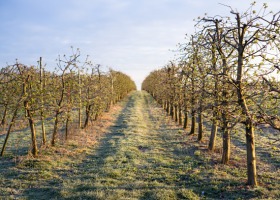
[138, 159]
[142, 155]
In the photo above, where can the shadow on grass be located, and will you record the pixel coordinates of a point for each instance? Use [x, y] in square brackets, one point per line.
[223, 189]
[18, 142]
[267, 157]
[197, 177]
[205, 185]
[264, 152]
[108, 146]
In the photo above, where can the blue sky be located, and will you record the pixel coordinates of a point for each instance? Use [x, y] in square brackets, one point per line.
[134, 36]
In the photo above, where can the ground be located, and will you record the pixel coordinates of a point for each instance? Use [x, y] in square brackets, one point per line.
[136, 152]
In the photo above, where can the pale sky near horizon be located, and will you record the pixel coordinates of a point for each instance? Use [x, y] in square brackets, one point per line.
[133, 36]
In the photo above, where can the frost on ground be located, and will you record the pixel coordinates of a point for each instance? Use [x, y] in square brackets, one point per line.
[136, 152]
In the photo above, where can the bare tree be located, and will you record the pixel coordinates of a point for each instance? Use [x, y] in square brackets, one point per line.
[65, 66]
[247, 36]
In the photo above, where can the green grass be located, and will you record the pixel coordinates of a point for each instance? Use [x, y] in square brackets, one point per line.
[143, 155]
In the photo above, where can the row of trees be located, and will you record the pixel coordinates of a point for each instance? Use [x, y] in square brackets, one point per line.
[75, 93]
[227, 74]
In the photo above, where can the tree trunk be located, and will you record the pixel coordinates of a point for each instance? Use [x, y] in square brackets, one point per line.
[167, 107]
[163, 105]
[250, 140]
[213, 135]
[214, 128]
[44, 139]
[80, 100]
[200, 126]
[225, 121]
[9, 130]
[171, 113]
[88, 109]
[55, 129]
[226, 144]
[251, 154]
[180, 116]
[193, 112]
[33, 134]
[42, 81]
[193, 123]
[32, 126]
[108, 106]
[67, 127]
[96, 116]
[185, 119]
[3, 121]
[175, 113]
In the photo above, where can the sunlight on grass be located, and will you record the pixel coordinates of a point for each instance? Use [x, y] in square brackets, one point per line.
[142, 155]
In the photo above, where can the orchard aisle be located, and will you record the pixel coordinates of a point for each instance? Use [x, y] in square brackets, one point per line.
[141, 157]
[134, 152]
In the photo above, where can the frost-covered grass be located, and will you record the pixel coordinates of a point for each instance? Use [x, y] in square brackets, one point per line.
[139, 153]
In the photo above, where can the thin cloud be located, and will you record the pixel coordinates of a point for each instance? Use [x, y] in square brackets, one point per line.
[130, 35]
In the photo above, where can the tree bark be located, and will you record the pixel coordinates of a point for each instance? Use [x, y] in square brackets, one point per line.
[193, 112]
[88, 110]
[44, 138]
[80, 99]
[29, 117]
[214, 128]
[55, 129]
[200, 126]
[193, 115]
[171, 111]
[251, 155]
[185, 120]
[33, 134]
[59, 105]
[212, 140]
[180, 116]
[226, 144]
[42, 103]
[250, 142]
[3, 121]
[185, 108]
[175, 113]
[167, 107]
[67, 127]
